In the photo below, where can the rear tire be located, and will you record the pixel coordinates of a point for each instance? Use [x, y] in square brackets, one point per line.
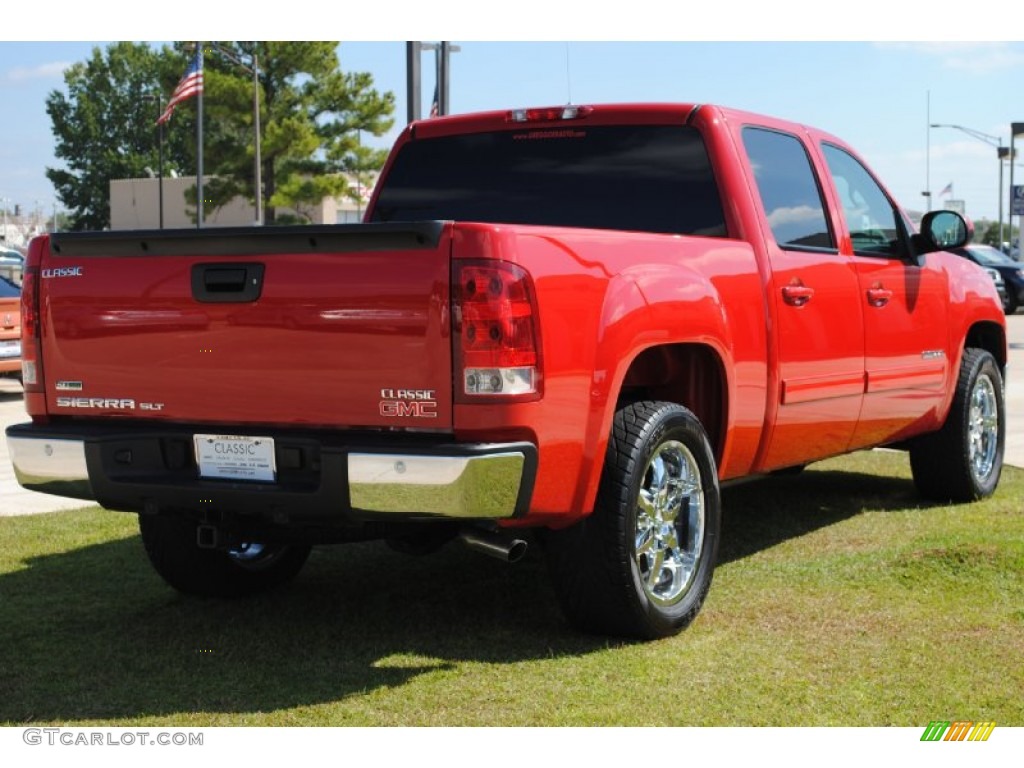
[641, 565]
[963, 460]
[253, 567]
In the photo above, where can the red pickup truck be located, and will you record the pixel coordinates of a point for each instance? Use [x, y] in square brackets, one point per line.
[577, 320]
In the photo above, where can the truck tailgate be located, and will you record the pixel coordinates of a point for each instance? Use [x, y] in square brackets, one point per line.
[325, 326]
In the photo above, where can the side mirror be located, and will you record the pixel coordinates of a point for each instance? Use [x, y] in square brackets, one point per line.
[945, 229]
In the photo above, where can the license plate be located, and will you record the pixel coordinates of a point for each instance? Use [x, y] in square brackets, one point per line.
[236, 457]
[10, 348]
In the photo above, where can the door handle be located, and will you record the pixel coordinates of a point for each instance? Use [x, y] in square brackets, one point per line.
[797, 295]
[879, 296]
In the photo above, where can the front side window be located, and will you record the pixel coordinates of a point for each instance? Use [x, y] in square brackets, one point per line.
[870, 216]
[788, 189]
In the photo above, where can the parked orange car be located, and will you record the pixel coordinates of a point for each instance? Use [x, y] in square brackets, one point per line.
[10, 328]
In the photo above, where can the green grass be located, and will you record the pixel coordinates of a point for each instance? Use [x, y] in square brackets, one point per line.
[840, 599]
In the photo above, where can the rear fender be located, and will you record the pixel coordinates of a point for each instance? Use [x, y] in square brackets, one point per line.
[647, 306]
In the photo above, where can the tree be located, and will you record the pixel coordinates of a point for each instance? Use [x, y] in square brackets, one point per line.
[311, 115]
[987, 232]
[105, 128]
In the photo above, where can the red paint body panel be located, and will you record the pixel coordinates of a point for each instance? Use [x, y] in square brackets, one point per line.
[327, 335]
[805, 365]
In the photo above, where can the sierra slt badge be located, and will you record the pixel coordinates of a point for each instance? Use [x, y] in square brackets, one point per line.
[107, 404]
[415, 403]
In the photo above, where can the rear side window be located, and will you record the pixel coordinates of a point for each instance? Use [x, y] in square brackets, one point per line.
[636, 178]
[789, 190]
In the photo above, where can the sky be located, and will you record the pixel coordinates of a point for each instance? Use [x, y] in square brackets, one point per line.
[879, 90]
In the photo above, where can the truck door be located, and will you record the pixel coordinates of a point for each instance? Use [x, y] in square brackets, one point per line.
[905, 309]
[818, 318]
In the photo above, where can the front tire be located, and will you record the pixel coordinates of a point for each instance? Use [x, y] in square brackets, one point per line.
[641, 565]
[963, 461]
[246, 569]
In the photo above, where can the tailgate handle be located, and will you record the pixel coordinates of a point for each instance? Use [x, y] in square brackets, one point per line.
[227, 283]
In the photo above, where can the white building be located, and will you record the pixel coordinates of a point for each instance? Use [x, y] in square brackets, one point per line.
[134, 204]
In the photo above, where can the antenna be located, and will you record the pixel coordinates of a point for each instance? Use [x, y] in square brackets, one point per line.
[568, 75]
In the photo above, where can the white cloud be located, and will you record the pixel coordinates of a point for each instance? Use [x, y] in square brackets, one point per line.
[42, 72]
[973, 57]
[794, 215]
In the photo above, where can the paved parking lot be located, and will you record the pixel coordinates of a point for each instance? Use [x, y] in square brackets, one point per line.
[14, 500]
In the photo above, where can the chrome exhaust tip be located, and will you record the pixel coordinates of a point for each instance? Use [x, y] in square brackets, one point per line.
[505, 548]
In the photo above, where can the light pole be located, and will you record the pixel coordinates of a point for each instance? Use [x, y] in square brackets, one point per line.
[254, 68]
[928, 153]
[158, 99]
[1015, 130]
[994, 141]
[442, 67]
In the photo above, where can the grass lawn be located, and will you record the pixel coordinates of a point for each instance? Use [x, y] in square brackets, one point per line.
[840, 599]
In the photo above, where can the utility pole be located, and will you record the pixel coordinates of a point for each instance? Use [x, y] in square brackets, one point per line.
[158, 98]
[200, 202]
[1001, 152]
[1015, 130]
[254, 68]
[928, 154]
[413, 49]
[442, 68]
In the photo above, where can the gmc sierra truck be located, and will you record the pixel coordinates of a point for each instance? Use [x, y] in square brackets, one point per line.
[577, 320]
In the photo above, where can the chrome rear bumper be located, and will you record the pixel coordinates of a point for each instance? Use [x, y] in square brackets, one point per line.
[54, 466]
[129, 470]
[482, 487]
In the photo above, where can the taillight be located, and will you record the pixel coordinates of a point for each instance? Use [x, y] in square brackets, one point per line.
[31, 330]
[496, 349]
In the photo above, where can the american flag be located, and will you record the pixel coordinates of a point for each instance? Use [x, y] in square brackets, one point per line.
[190, 85]
[434, 105]
[947, 190]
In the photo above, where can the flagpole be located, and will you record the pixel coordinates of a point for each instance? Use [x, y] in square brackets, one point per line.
[199, 146]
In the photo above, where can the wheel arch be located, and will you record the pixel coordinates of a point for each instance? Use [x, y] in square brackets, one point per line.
[989, 336]
[690, 374]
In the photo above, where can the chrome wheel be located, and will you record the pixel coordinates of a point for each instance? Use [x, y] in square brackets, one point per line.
[669, 523]
[641, 564]
[963, 460]
[983, 428]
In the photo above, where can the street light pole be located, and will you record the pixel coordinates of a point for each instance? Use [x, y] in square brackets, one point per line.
[158, 99]
[413, 50]
[996, 142]
[928, 154]
[258, 164]
[442, 69]
[1015, 130]
[258, 171]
